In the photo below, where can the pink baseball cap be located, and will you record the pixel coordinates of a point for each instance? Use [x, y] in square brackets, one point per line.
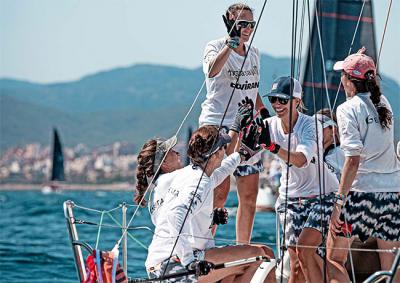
[356, 65]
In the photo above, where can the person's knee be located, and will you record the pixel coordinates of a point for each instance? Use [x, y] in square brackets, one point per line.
[336, 257]
[268, 251]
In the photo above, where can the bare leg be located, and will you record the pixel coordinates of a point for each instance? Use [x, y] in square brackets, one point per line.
[231, 253]
[310, 262]
[337, 272]
[387, 259]
[247, 192]
[296, 274]
[220, 195]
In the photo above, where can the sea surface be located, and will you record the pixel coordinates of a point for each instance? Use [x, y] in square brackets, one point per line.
[34, 243]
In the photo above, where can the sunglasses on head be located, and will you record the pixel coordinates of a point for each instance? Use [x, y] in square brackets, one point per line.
[274, 99]
[246, 24]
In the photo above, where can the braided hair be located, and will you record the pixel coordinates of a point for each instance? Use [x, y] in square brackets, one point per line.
[200, 144]
[144, 170]
[369, 84]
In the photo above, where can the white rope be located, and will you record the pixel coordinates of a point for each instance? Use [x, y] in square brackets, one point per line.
[350, 49]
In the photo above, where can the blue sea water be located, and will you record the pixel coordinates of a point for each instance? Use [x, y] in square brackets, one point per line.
[34, 243]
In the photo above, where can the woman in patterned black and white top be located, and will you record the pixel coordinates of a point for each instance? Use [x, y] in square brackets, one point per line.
[368, 200]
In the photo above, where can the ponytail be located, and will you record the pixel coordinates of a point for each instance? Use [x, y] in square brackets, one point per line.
[144, 171]
[370, 85]
[385, 116]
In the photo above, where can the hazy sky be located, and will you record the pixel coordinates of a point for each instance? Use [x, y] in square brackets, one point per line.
[63, 40]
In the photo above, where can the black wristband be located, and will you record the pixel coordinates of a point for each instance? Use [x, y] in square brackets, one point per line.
[275, 149]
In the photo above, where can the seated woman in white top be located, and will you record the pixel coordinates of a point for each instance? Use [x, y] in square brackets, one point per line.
[192, 190]
[158, 162]
[368, 200]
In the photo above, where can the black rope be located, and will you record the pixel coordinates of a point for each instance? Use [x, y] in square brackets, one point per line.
[292, 70]
[219, 129]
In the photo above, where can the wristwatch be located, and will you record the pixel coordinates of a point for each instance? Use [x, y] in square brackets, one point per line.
[340, 199]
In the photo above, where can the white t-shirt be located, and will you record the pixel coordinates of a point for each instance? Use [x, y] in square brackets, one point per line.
[334, 159]
[220, 87]
[196, 233]
[362, 135]
[303, 182]
[157, 194]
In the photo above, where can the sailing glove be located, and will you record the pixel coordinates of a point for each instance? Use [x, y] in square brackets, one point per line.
[232, 29]
[264, 138]
[220, 216]
[249, 146]
[244, 115]
[233, 42]
[202, 267]
[264, 113]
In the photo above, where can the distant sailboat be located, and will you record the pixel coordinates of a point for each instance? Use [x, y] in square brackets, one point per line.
[57, 170]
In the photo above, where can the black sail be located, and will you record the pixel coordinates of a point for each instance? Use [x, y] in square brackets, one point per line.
[337, 24]
[57, 171]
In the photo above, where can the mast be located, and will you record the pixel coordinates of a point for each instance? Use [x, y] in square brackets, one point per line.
[337, 24]
[57, 171]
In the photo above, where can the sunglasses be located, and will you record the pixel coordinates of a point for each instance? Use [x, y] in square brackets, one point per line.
[246, 24]
[273, 99]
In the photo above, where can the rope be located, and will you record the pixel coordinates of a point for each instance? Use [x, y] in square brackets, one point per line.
[351, 48]
[292, 69]
[383, 36]
[232, 241]
[180, 127]
[98, 232]
[219, 129]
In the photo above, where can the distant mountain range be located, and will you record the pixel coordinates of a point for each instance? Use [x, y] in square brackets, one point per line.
[131, 104]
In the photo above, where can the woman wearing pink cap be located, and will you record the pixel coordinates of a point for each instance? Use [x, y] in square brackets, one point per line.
[368, 201]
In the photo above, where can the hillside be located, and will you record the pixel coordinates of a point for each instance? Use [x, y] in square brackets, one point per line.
[132, 104]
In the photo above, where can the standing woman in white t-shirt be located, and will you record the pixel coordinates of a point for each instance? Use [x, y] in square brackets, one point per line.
[303, 203]
[368, 201]
[222, 62]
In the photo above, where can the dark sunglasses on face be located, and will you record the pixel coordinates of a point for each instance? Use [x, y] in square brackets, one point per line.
[274, 99]
[246, 24]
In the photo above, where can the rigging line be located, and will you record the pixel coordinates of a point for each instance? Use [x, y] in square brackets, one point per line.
[383, 36]
[219, 129]
[99, 230]
[95, 210]
[299, 58]
[321, 178]
[220, 239]
[329, 103]
[350, 49]
[178, 130]
[292, 69]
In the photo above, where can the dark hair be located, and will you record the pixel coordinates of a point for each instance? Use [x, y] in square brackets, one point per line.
[200, 144]
[370, 85]
[234, 8]
[144, 169]
[328, 113]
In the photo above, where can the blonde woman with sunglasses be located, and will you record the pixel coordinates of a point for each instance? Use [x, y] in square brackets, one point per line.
[222, 62]
[303, 203]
